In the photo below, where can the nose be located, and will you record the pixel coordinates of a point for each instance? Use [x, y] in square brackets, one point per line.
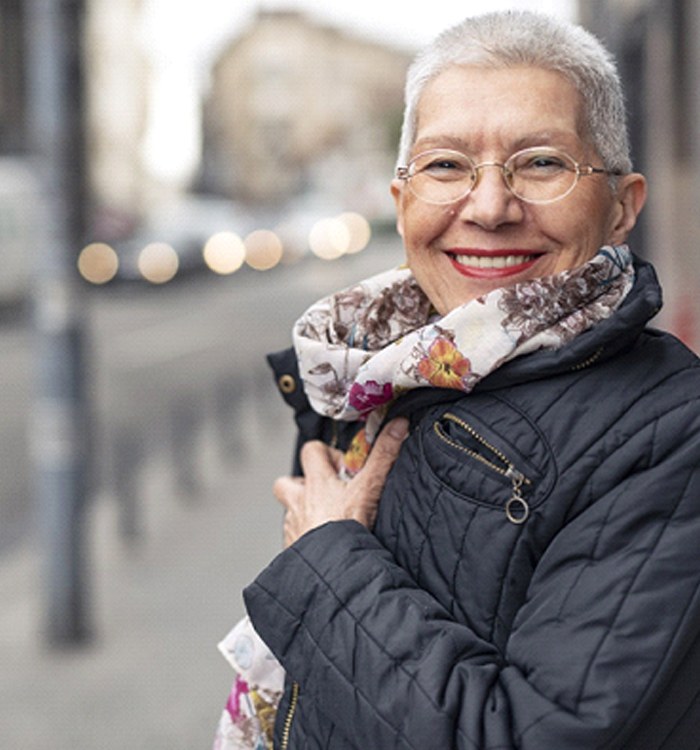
[490, 203]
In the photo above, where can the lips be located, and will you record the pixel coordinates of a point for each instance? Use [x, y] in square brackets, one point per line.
[493, 263]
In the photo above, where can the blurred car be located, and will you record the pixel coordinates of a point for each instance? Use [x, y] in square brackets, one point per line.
[169, 245]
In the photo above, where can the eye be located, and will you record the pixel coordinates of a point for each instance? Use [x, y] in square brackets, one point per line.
[442, 165]
[547, 162]
[541, 164]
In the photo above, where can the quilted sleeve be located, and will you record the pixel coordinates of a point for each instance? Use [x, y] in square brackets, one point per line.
[611, 614]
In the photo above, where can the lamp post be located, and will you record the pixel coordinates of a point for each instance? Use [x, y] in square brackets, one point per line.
[59, 426]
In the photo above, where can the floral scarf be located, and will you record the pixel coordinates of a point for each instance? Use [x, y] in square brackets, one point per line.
[360, 348]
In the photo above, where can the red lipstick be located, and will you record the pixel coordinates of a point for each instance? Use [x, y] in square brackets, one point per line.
[510, 265]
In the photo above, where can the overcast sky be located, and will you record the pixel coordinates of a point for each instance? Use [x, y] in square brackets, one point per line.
[182, 36]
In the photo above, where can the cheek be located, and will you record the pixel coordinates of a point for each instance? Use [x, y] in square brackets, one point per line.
[593, 218]
[420, 224]
[582, 229]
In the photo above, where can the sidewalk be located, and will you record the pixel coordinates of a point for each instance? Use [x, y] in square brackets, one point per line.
[153, 678]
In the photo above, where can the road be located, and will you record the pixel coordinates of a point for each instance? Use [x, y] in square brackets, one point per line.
[189, 434]
[173, 370]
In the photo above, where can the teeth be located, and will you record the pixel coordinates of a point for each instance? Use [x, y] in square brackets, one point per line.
[496, 261]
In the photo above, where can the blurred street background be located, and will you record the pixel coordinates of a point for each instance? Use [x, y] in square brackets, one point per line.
[179, 180]
[189, 434]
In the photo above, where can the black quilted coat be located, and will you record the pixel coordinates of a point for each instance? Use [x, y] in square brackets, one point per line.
[533, 577]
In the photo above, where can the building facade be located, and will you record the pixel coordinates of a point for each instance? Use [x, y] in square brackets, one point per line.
[296, 107]
[117, 82]
[12, 78]
[657, 43]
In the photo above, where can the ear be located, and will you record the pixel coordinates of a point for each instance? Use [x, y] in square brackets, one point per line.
[629, 201]
[397, 194]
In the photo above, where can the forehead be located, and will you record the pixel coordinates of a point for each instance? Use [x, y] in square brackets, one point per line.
[499, 107]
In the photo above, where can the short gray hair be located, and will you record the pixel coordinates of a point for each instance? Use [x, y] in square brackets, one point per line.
[513, 38]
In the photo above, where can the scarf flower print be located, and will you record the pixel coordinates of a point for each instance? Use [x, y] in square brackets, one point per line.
[359, 349]
[247, 722]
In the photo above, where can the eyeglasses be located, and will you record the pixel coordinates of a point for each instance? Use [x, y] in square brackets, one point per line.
[535, 175]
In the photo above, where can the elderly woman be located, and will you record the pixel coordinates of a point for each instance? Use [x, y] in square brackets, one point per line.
[505, 554]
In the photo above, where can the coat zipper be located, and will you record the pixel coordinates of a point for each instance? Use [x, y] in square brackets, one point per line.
[287, 728]
[517, 508]
[588, 362]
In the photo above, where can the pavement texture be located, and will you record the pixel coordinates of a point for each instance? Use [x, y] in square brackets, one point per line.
[151, 676]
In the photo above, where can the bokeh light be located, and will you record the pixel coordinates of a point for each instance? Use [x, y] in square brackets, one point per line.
[98, 263]
[359, 229]
[263, 249]
[224, 253]
[329, 238]
[158, 262]
[348, 233]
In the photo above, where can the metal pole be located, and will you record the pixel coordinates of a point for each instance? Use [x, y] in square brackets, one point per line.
[59, 424]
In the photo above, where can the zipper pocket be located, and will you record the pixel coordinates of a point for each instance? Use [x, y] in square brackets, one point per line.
[287, 727]
[517, 509]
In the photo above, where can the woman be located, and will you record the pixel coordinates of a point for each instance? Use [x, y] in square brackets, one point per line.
[512, 561]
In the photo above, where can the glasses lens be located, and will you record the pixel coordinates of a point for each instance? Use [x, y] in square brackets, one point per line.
[541, 175]
[441, 176]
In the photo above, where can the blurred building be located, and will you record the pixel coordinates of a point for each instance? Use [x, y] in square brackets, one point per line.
[296, 107]
[115, 77]
[117, 80]
[18, 190]
[657, 43]
[12, 80]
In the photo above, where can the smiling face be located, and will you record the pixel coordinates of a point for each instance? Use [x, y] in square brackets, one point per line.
[490, 238]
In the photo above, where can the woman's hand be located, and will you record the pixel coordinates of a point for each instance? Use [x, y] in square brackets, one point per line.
[320, 496]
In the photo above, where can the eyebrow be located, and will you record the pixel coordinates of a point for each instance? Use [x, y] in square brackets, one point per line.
[539, 138]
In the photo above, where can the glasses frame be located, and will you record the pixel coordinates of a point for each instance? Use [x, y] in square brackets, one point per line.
[580, 170]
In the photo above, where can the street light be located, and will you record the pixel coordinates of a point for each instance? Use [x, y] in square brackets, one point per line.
[59, 430]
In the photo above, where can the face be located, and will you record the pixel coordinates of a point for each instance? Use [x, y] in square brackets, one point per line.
[490, 238]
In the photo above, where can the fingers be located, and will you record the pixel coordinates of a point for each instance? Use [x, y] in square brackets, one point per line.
[386, 448]
[289, 534]
[336, 458]
[319, 460]
[365, 488]
[320, 496]
[288, 489]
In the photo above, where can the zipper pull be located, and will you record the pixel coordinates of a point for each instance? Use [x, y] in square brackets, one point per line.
[517, 509]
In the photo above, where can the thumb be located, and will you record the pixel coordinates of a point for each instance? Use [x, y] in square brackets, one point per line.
[384, 452]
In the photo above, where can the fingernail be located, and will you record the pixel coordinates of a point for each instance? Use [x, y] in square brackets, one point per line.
[398, 428]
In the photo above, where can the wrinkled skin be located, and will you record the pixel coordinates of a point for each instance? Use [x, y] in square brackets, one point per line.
[320, 496]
